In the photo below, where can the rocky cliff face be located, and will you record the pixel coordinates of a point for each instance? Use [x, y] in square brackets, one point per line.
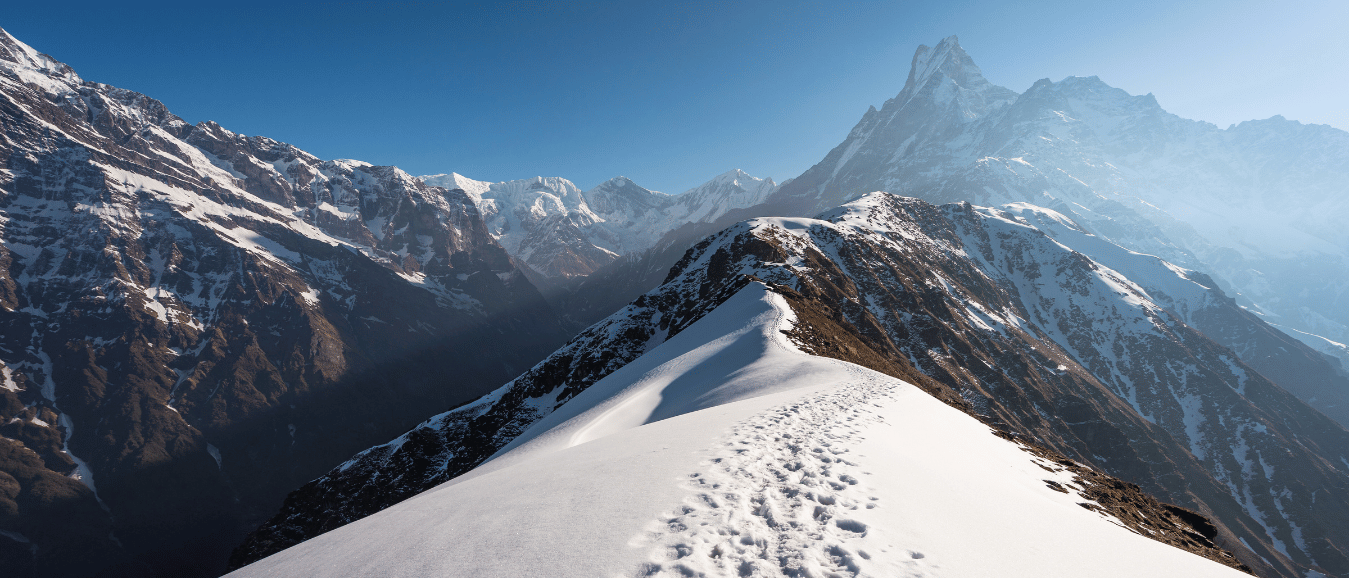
[196, 322]
[984, 310]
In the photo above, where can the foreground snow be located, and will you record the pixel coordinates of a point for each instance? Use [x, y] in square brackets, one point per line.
[726, 451]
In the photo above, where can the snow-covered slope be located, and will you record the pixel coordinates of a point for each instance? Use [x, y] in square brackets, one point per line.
[1259, 206]
[726, 451]
[194, 321]
[562, 232]
[1195, 298]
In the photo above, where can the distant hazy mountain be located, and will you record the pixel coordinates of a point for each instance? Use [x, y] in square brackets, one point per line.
[562, 233]
[193, 322]
[1259, 206]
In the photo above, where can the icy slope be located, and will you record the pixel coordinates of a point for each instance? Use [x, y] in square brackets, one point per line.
[726, 451]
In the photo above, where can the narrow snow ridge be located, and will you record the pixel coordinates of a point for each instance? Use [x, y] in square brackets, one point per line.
[765, 461]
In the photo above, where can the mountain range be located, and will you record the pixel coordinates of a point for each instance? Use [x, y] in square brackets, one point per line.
[561, 232]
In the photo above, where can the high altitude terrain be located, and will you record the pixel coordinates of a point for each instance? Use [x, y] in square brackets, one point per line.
[561, 232]
[1040, 319]
[196, 322]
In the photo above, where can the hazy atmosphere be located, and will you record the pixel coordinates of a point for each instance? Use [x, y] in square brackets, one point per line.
[667, 94]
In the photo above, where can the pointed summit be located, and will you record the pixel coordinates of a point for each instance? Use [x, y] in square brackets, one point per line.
[945, 80]
[947, 60]
[735, 175]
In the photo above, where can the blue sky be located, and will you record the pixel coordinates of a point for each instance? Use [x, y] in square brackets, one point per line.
[668, 94]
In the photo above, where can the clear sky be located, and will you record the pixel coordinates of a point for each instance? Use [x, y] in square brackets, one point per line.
[669, 94]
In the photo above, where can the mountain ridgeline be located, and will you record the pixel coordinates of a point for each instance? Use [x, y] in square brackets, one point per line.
[1258, 206]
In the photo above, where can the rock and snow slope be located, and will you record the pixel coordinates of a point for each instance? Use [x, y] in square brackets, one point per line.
[194, 321]
[726, 451]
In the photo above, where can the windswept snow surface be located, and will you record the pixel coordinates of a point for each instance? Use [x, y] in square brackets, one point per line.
[726, 451]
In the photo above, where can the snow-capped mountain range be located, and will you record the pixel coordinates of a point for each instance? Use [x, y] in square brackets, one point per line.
[1259, 206]
[561, 232]
[194, 322]
[977, 306]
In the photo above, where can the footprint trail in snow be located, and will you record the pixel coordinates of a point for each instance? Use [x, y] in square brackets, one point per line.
[781, 497]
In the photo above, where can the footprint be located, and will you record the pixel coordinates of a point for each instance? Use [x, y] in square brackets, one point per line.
[851, 526]
[773, 511]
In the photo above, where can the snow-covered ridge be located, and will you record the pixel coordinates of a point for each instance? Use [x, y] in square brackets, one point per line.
[1009, 282]
[1107, 324]
[35, 68]
[726, 451]
[1031, 333]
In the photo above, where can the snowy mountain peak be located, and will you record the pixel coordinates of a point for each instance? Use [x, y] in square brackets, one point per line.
[947, 61]
[475, 189]
[625, 185]
[35, 67]
[734, 177]
[193, 241]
